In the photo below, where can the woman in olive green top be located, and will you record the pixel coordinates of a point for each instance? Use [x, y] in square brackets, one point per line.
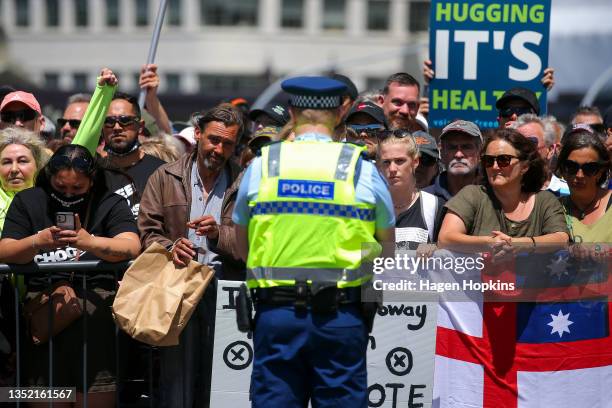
[509, 208]
[584, 162]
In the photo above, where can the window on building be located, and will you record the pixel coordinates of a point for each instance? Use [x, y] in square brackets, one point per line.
[334, 17]
[112, 13]
[81, 16]
[22, 11]
[174, 12]
[419, 16]
[52, 16]
[79, 82]
[292, 12]
[373, 83]
[173, 82]
[231, 83]
[142, 12]
[136, 77]
[229, 12]
[378, 14]
[51, 80]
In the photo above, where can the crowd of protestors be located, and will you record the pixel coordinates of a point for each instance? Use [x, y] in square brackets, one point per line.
[525, 183]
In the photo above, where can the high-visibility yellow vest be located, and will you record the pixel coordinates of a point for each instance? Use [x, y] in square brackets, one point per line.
[306, 223]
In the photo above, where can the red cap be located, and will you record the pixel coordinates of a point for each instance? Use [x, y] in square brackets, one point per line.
[23, 97]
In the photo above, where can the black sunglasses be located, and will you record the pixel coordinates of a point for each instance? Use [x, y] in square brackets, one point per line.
[22, 115]
[399, 133]
[426, 160]
[571, 168]
[370, 130]
[64, 162]
[509, 111]
[123, 120]
[503, 160]
[598, 128]
[73, 123]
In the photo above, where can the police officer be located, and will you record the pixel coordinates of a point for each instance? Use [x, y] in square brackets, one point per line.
[303, 211]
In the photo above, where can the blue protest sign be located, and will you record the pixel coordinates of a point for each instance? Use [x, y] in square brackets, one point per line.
[481, 49]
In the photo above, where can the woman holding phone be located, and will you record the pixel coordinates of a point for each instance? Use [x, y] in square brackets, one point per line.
[68, 215]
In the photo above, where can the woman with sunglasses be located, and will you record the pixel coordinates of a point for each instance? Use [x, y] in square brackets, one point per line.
[509, 208]
[418, 214]
[96, 224]
[585, 164]
[507, 212]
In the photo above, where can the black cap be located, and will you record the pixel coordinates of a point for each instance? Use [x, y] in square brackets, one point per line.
[276, 111]
[370, 109]
[523, 94]
[351, 89]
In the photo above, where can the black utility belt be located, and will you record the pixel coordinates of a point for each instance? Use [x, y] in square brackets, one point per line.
[302, 296]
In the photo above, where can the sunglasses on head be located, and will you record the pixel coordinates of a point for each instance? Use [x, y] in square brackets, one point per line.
[571, 168]
[503, 160]
[518, 111]
[123, 120]
[77, 163]
[73, 123]
[598, 128]
[21, 115]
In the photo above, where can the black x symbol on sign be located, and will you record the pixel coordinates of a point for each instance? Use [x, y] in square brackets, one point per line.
[237, 360]
[399, 361]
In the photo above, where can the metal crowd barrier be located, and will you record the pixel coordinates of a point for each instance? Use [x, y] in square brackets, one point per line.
[78, 267]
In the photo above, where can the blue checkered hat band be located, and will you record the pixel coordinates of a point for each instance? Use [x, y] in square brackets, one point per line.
[315, 102]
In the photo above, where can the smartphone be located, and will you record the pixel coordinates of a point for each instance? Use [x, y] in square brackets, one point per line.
[65, 220]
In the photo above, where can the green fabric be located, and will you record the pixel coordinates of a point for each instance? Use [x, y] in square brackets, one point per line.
[600, 231]
[5, 201]
[302, 240]
[90, 129]
[474, 206]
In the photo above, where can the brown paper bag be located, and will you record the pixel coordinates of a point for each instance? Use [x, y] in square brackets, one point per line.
[156, 299]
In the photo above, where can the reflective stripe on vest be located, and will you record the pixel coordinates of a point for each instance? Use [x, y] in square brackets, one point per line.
[306, 218]
[325, 209]
[309, 274]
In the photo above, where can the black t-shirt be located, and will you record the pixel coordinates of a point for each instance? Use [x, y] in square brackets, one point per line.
[411, 228]
[31, 211]
[140, 172]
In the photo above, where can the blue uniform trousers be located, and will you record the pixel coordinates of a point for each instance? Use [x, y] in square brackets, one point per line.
[301, 356]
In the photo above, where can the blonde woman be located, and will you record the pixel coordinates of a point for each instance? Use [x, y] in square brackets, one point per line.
[418, 214]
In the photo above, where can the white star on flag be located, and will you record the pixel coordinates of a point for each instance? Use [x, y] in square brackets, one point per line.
[560, 323]
[558, 266]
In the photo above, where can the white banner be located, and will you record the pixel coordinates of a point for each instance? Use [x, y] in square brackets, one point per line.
[400, 354]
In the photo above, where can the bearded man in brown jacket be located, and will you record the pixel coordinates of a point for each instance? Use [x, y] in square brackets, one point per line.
[187, 207]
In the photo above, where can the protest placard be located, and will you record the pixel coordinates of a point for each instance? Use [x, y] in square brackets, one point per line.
[480, 49]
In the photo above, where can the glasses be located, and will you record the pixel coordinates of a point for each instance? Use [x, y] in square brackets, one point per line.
[123, 120]
[427, 161]
[64, 162]
[503, 160]
[73, 123]
[571, 168]
[22, 115]
[370, 130]
[598, 128]
[509, 111]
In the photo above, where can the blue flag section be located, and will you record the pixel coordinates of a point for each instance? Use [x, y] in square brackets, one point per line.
[561, 322]
[481, 49]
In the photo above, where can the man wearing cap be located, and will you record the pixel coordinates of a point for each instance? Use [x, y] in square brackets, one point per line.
[273, 114]
[303, 212]
[461, 142]
[514, 103]
[400, 101]
[367, 120]
[429, 157]
[21, 109]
